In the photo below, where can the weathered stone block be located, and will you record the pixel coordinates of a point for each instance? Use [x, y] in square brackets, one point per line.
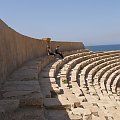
[57, 103]
[8, 105]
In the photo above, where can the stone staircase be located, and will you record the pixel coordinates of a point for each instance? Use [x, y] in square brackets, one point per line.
[85, 85]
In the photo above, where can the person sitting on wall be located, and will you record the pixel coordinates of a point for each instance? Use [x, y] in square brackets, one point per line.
[50, 52]
[58, 52]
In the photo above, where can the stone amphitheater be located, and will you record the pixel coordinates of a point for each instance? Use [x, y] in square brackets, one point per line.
[85, 85]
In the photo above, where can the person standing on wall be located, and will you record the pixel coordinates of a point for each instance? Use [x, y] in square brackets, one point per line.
[57, 51]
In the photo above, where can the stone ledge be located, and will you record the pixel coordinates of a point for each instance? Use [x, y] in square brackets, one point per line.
[56, 103]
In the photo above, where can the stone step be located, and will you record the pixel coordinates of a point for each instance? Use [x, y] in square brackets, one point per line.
[46, 92]
[47, 80]
[27, 92]
[48, 87]
[98, 117]
[75, 117]
[49, 74]
[94, 109]
[74, 101]
[87, 115]
[30, 98]
[76, 89]
[57, 115]
[26, 113]
[57, 103]
[82, 99]
[23, 87]
[24, 75]
[29, 82]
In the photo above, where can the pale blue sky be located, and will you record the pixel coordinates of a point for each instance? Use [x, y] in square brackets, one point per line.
[93, 22]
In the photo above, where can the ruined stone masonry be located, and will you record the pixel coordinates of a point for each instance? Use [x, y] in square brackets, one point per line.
[85, 85]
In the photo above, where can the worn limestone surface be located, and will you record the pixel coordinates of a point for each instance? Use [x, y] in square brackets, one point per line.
[21, 60]
[83, 86]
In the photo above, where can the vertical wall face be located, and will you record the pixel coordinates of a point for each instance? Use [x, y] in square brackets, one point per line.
[67, 46]
[15, 49]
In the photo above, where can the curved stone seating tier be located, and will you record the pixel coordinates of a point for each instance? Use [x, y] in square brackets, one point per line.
[93, 55]
[114, 85]
[71, 88]
[108, 86]
[78, 67]
[94, 70]
[76, 90]
[90, 77]
[92, 89]
[99, 74]
[67, 98]
[106, 75]
[58, 64]
[47, 76]
[66, 70]
[108, 63]
[102, 85]
[118, 90]
[102, 92]
[68, 92]
[109, 81]
[83, 56]
[87, 68]
[69, 56]
[105, 98]
[97, 55]
[72, 63]
[67, 67]
[75, 101]
[115, 89]
[74, 73]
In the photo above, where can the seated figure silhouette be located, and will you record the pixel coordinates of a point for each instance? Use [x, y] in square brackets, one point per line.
[50, 52]
[57, 51]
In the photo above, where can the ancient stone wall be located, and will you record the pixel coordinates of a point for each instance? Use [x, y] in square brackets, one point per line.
[67, 46]
[15, 49]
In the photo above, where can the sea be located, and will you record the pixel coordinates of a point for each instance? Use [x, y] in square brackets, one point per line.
[98, 48]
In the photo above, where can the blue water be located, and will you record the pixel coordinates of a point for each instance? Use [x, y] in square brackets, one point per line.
[103, 47]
